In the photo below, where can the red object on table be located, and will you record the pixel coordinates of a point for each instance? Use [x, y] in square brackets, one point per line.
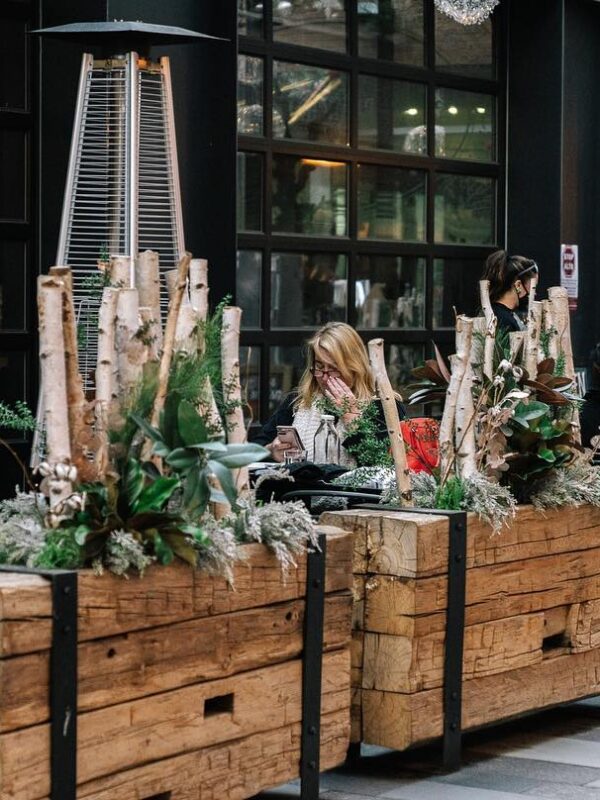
[421, 437]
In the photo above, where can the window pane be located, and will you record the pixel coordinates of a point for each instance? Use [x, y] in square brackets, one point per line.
[390, 292]
[250, 96]
[286, 365]
[455, 285]
[12, 285]
[310, 23]
[391, 30]
[464, 209]
[12, 380]
[13, 64]
[13, 175]
[464, 49]
[309, 196]
[248, 286]
[250, 380]
[307, 290]
[402, 358]
[465, 125]
[391, 115]
[250, 18]
[310, 103]
[391, 203]
[249, 191]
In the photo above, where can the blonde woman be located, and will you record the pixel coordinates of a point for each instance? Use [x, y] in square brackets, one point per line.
[337, 370]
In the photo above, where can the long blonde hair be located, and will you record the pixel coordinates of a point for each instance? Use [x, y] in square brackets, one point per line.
[348, 352]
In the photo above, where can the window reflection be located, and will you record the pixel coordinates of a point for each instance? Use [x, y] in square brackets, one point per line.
[390, 292]
[309, 196]
[249, 191]
[392, 30]
[464, 49]
[402, 358]
[250, 18]
[464, 209]
[310, 23]
[307, 290]
[391, 115]
[250, 111]
[286, 365]
[468, 122]
[455, 286]
[248, 286]
[391, 203]
[310, 103]
[250, 380]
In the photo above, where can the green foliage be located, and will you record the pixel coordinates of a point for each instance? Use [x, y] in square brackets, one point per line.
[367, 443]
[451, 495]
[18, 417]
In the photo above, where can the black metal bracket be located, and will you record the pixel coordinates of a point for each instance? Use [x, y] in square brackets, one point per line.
[63, 679]
[312, 667]
[455, 627]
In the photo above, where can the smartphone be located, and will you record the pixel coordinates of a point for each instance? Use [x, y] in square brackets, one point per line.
[289, 435]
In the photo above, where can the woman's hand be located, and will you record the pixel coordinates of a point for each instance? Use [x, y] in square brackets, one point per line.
[342, 396]
[278, 448]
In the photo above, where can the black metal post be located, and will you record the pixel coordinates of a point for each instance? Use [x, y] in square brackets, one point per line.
[63, 680]
[312, 664]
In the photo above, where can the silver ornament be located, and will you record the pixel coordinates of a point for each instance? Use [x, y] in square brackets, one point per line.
[467, 12]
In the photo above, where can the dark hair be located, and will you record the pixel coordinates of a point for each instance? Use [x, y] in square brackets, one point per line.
[595, 366]
[502, 270]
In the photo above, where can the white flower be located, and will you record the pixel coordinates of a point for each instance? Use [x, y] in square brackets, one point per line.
[498, 380]
[505, 366]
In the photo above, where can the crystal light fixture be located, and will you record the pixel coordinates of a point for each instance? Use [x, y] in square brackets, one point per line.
[467, 12]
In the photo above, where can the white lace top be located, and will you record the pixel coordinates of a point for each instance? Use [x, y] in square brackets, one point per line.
[306, 421]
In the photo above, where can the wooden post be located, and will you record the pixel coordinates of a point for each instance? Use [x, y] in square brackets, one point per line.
[105, 369]
[490, 334]
[392, 420]
[54, 377]
[129, 348]
[466, 448]
[559, 304]
[532, 339]
[152, 337]
[550, 329]
[458, 364]
[232, 390]
[199, 286]
[147, 281]
[187, 320]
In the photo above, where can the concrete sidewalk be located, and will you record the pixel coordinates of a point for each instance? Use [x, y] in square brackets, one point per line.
[554, 755]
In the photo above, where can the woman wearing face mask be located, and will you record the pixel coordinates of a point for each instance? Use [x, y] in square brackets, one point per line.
[510, 281]
[337, 370]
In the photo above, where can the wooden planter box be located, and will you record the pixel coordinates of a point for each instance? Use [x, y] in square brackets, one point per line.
[532, 618]
[186, 688]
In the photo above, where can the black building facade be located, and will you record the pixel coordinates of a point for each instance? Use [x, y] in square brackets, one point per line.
[339, 160]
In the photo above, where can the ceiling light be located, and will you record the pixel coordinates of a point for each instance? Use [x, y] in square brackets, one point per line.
[412, 112]
[452, 110]
[480, 110]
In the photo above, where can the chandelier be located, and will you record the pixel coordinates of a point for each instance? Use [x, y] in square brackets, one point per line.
[467, 12]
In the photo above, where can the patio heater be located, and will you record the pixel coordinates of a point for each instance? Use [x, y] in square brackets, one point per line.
[122, 192]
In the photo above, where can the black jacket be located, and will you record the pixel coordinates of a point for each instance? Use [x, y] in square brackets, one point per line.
[590, 416]
[507, 319]
[284, 415]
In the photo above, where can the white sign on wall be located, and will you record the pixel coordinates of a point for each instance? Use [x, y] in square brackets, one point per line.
[569, 272]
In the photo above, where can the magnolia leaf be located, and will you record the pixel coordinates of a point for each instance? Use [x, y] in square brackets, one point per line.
[546, 455]
[134, 480]
[225, 478]
[163, 552]
[240, 455]
[211, 447]
[160, 449]
[196, 492]
[445, 372]
[182, 458]
[151, 433]
[181, 545]
[154, 496]
[80, 534]
[195, 532]
[151, 470]
[191, 426]
[546, 366]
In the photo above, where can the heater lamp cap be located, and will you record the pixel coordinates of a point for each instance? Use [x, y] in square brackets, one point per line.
[135, 34]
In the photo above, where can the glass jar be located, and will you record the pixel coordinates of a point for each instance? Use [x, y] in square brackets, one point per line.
[326, 443]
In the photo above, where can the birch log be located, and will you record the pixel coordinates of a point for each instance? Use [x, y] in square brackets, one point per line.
[105, 372]
[187, 320]
[199, 286]
[465, 445]
[392, 420]
[52, 361]
[550, 329]
[151, 334]
[517, 340]
[458, 364]
[129, 347]
[532, 338]
[120, 271]
[169, 339]
[477, 342]
[232, 389]
[559, 304]
[147, 282]
[79, 432]
[490, 334]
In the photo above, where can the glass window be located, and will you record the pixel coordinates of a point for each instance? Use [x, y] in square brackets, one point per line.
[465, 125]
[250, 112]
[250, 380]
[390, 292]
[249, 286]
[250, 18]
[308, 289]
[13, 64]
[286, 365]
[391, 115]
[310, 23]
[249, 191]
[464, 209]
[455, 286]
[392, 30]
[309, 196]
[401, 359]
[12, 285]
[464, 49]
[391, 203]
[13, 175]
[310, 103]
[12, 380]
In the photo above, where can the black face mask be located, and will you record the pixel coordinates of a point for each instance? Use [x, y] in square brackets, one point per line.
[524, 303]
